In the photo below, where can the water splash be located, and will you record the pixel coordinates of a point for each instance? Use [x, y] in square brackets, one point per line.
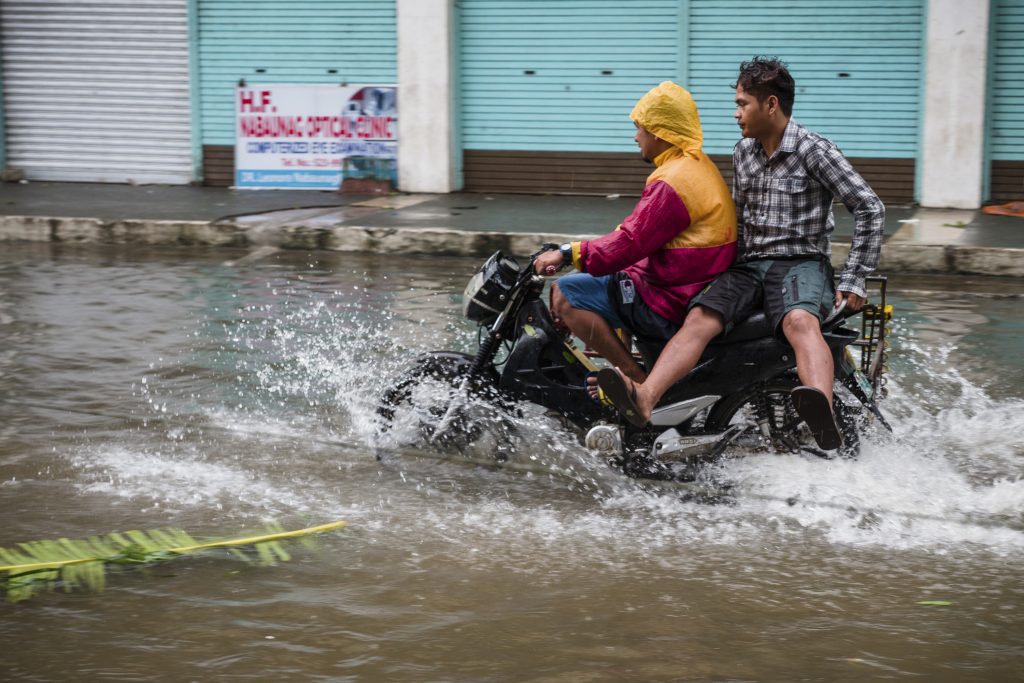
[951, 477]
[304, 373]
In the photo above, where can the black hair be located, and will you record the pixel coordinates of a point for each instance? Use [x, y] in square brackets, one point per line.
[763, 77]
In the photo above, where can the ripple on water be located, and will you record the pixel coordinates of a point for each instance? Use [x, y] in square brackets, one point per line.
[250, 394]
[951, 477]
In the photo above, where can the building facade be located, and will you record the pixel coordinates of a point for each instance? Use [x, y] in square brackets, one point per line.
[926, 97]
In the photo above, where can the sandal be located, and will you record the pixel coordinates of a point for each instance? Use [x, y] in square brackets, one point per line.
[622, 395]
[813, 408]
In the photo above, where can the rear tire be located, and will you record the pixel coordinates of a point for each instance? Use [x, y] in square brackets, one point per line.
[788, 432]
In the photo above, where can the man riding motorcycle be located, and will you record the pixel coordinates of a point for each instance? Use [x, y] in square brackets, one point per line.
[680, 235]
[786, 178]
[663, 256]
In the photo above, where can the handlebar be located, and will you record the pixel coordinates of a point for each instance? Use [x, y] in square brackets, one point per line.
[547, 246]
[544, 248]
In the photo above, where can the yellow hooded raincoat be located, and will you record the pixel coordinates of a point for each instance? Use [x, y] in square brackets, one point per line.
[682, 232]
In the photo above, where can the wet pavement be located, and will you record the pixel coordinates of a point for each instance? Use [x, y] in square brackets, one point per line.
[463, 211]
[150, 202]
[462, 224]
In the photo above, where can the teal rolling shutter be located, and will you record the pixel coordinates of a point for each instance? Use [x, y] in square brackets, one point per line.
[301, 41]
[1006, 129]
[1005, 132]
[561, 74]
[857, 67]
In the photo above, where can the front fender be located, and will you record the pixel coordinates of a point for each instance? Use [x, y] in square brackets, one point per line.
[452, 362]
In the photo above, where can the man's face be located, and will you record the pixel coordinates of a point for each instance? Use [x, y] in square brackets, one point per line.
[751, 115]
[650, 145]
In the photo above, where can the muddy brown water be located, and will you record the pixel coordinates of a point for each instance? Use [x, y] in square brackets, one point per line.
[201, 391]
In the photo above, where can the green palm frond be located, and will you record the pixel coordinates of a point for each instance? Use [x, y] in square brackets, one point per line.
[42, 565]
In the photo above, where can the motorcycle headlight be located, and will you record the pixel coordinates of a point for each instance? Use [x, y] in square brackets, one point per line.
[487, 292]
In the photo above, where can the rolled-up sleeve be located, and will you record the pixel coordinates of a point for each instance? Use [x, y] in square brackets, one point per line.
[836, 173]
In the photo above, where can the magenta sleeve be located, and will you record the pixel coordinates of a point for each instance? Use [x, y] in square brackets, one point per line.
[657, 218]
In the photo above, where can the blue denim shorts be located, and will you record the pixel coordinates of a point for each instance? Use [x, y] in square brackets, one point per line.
[614, 298]
[590, 293]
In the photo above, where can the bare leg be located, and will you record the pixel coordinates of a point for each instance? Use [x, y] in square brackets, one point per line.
[679, 357]
[813, 357]
[595, 331]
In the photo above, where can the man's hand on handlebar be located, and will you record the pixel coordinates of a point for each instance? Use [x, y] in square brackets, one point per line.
[548, 263]
[854, 302]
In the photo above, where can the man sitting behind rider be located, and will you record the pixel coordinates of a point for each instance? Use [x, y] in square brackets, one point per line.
[680, 235]
[784, 183]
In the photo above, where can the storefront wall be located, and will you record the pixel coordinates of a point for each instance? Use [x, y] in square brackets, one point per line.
[857, 68]
[546, 90]
[539, 93]
[274, 42]
[1006, 97]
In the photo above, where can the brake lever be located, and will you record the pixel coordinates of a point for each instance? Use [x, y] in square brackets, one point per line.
[547, 246]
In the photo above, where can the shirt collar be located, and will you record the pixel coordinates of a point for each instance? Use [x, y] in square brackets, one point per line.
[790, 136]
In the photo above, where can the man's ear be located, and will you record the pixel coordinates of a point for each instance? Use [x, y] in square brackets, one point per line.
[772, 102]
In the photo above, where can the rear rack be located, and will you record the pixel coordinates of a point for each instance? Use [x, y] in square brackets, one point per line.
[874, 336]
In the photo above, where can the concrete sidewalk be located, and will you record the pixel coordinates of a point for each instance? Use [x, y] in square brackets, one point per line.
[917, 240]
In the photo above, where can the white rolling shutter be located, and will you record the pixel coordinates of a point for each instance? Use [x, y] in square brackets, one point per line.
[97, 90]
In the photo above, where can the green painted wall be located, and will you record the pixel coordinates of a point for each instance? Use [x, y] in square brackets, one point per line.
[857, 65]
[301, 41]
[1006, 113]
[561, 75]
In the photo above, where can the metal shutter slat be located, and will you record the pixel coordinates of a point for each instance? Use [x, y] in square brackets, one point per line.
[97, 90]
[302, 41]
[567, 103]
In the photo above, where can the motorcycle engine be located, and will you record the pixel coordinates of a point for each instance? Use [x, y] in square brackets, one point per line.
[605, 439]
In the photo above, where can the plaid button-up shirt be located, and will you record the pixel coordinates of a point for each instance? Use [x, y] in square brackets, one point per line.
[784, 203]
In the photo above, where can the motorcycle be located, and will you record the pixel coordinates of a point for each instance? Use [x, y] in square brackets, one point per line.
[738, 395]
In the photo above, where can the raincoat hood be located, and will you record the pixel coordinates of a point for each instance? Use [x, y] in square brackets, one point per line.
[669, 112]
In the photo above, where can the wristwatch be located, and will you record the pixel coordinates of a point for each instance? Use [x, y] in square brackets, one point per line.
[566, 250]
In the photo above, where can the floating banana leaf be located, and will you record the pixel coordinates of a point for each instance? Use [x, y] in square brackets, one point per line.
[42, 565]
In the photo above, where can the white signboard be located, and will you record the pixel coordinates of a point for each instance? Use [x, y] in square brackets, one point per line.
[314, 136]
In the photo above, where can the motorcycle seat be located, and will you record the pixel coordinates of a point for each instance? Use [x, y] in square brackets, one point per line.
[754, 327]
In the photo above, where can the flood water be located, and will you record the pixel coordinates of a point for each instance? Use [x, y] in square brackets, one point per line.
[170, 388]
